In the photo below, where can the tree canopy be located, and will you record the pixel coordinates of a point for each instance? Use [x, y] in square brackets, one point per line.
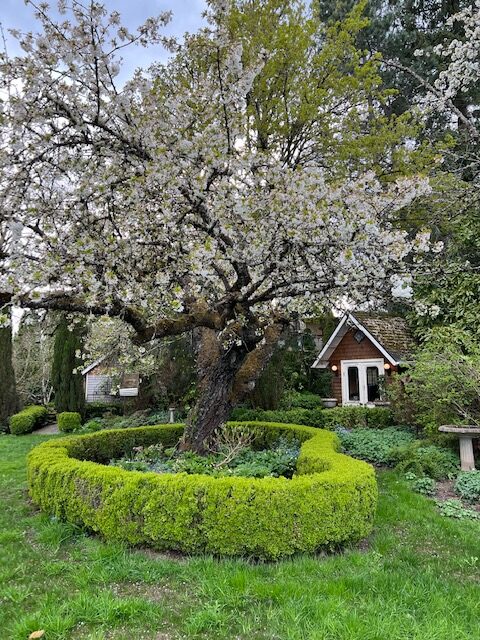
[252, 175]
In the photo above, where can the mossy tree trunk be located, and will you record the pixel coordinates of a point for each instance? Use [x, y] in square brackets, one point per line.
[8, 394]
[227, 370]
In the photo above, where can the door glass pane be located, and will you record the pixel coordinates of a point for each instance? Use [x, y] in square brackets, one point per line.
[353, 384]
[373, 389]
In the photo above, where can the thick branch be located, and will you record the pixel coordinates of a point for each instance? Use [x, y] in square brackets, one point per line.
[257, 360]
[197, 316]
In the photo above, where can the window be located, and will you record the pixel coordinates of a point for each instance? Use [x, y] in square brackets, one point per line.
[359, 336]
[353, 384]
[373, 391]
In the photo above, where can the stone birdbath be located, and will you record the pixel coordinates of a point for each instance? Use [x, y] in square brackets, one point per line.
[466, 435]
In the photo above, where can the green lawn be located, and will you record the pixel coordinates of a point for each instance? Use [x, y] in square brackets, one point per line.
[417, 578]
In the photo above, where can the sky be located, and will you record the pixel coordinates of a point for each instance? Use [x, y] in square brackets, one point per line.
[187, 16]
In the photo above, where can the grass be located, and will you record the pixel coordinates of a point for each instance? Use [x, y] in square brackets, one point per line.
[417, 578]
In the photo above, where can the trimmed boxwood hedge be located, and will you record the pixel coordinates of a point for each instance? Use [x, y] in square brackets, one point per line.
[69, 421]
[28, 419]
[330, 501]
[348, 417]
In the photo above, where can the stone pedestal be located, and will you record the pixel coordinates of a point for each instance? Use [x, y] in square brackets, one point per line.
[465, 435]
[466, 454]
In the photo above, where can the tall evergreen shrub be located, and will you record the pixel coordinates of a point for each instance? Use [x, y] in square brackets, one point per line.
[67, 383]
[8, 395]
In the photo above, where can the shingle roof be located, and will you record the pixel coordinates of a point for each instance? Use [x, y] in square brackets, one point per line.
[392, 332]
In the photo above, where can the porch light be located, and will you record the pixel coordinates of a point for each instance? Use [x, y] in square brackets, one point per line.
[387, 366]
[334, 368]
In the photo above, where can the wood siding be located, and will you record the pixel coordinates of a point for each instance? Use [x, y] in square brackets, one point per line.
[97, 388]
[350, 349]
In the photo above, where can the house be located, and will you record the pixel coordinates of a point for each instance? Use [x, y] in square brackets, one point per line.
[99, 382]
[362, 352]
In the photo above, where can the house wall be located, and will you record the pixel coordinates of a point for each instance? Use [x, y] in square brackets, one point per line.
[350, 349]
[97, 387]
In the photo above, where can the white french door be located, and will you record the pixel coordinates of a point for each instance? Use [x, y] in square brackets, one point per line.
[361, 381]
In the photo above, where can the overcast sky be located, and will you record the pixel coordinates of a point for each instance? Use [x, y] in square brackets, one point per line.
[186, 17]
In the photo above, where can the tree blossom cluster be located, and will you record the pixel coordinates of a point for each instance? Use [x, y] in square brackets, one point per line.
[155, 199]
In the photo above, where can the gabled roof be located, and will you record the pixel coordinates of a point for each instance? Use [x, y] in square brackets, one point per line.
[93, 365]
[390, 334]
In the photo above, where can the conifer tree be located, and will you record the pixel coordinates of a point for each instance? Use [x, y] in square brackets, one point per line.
[67, 382]
[8, 396]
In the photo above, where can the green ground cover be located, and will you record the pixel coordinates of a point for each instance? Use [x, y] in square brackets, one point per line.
[416, 578]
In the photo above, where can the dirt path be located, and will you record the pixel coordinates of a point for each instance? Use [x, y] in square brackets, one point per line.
[48, 429]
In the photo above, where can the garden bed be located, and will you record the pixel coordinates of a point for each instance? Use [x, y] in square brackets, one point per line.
[330, 501]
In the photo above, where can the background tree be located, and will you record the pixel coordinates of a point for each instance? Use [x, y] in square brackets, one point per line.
[221, 191]
[32, 358]
[397, 29]
[8, 394]
[67, 380]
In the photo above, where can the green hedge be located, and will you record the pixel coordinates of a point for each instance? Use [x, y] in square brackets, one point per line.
[299, 400]
[330, 501]
[28, 419]
[348, 417]
[69, 421]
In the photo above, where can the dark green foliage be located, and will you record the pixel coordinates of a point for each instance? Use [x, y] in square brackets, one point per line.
[8, 395]
[373, 445]
[300, 400]
[28, 419]
[397, 29]
[398, 448]
[69, 421]
[330, 501]
[348, 417]
[67, 384]
[454, 509]
[468, 485]
[426, 486]
[99, 409]
[290, 370]
[137, 419]
[425, 460]
[278, 460]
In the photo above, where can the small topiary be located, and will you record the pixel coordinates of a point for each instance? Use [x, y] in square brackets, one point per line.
[69, 421]
[28, 419]
[468, 485]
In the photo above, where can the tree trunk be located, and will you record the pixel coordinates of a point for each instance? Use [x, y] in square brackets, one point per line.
[225, 376]
[8, 394]
[217, 371]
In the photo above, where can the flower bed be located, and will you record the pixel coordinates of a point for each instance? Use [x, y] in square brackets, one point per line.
[330, 501]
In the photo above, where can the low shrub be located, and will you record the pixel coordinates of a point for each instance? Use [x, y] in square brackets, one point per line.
[330, 501]
[299, 400]
[99, 409]
[468, 485]
[137, 419]
[28, 419]
[278, 460]
[68, 421]
[425, 460]
[373, 445]
[348, 417]
[425, 486]
[454, 509]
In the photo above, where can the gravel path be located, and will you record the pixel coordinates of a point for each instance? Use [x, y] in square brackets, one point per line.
[47, 430]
